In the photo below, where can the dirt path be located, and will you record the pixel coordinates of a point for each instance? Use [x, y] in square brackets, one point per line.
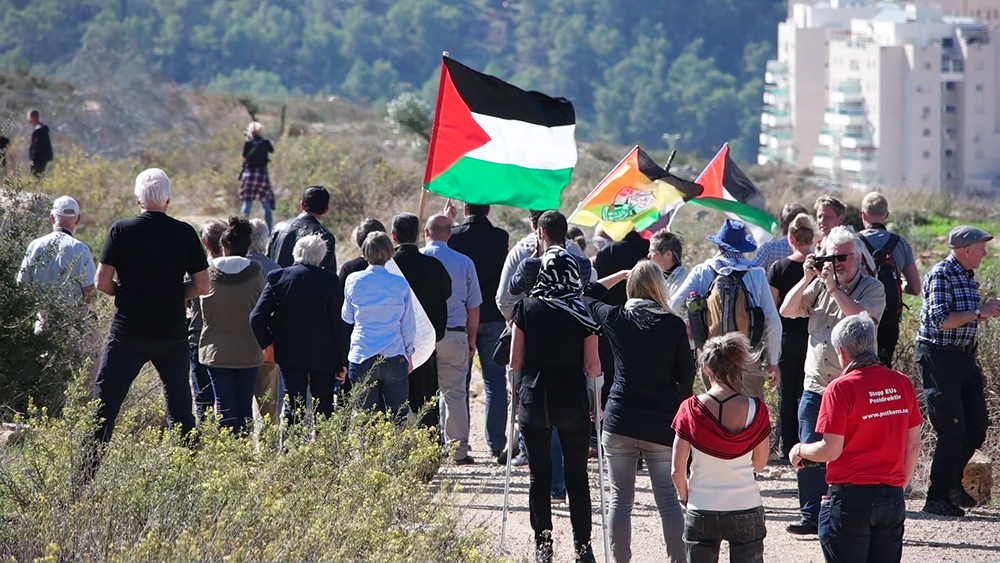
[927, 539]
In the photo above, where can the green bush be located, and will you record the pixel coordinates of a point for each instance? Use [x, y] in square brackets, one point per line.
[355, 491]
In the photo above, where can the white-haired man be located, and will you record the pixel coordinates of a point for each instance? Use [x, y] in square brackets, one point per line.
[870, 422]
[833, 287]
[142, 266]
[59, 258]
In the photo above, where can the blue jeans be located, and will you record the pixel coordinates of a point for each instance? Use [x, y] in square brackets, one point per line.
[494, 385]
[201, 385]
[812, 480]
[862, 523]
[382, 381]
[234, 389]
[623, 455]
[266, 205]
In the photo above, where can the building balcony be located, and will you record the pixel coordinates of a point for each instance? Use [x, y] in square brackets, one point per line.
[845, 118]
[776, 139]
[775, 72]
[824, 160]
[858, 163]
[767, 155]
[774, 118]
[846, 92]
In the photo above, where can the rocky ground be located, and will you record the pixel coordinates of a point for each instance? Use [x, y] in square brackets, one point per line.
[927, 539]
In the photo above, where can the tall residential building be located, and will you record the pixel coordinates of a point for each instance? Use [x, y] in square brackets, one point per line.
[886, 96]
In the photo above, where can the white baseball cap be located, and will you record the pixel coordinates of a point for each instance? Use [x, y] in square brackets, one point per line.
[65, 206]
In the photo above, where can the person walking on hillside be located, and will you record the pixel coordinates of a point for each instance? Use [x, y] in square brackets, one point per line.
[455, 350]
[833, 286]
[254, 181]
[782, 276]
[653, 374]
[552, 388]
[946, 362]
[227, 346]
[40, 149]
[870, 422]
[486, 246]
[149, 255]
[894, 266]
[431, 284]
[772, 251]
[299, 313]
[314, 205]
[724, 434]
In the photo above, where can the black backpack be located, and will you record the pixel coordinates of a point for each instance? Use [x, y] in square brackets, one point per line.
[887, 272]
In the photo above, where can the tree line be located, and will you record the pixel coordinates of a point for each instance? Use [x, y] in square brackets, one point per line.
[635, 70]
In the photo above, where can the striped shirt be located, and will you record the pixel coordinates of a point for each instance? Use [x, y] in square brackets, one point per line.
[948, 288]
[772, 251]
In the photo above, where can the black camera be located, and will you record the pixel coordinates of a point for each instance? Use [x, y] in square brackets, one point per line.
[820, 260]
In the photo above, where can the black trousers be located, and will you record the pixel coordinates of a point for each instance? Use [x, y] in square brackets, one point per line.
[38, 169]
[792, 368]
[123, 358]
[423, 386]
[296, 381]
[888, 336]
[574, 437]
[956, 404]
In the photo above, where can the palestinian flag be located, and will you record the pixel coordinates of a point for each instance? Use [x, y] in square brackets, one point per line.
[493, 143]
[729, 190]
[636, 194]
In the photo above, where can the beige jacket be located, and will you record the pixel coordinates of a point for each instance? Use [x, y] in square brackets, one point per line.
[227, 341]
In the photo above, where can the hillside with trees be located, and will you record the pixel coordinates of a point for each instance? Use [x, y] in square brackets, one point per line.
[635, 70]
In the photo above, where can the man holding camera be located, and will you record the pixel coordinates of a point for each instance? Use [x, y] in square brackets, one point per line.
[946, 361]
[833, 287]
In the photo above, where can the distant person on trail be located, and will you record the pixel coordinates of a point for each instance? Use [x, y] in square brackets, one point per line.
[314, 205]
[254, 182]
[149, 255]
[40, 150]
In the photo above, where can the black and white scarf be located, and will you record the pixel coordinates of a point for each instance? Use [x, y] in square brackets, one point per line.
[643, 312]
[559, 286]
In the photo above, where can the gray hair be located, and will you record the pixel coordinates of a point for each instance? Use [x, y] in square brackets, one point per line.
[260, 236]
[855, 335]
[152, 188]
[377, 248]
[309, 250]
[840, 234]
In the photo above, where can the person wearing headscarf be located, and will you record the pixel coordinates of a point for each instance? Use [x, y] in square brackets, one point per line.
[654, 372]
[553, 351]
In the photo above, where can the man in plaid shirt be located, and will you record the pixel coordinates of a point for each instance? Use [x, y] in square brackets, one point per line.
[946, 361]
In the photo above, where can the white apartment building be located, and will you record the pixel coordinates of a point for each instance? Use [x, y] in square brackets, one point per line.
[886, 96]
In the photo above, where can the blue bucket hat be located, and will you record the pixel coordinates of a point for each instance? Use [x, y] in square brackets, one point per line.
[734, 237]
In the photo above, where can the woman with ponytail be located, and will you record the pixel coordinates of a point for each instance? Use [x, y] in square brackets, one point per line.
[726, 436]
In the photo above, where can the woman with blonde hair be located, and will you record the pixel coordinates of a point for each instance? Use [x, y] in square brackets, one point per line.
[726, 436]
[782, 277]
[254, 181]
[654, 371]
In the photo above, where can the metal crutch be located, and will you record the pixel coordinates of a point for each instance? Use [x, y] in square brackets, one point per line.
[514, 379]
[596, 384]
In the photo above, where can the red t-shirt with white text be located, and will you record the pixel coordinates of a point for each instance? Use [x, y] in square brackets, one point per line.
[873, 408]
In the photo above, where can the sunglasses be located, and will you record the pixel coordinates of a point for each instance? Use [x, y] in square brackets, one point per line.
[833, 258]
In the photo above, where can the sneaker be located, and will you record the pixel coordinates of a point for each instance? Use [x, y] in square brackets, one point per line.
[585, 553]
[942, 508]
[558, 499]
[961, 499]
[520, 461]
[467, 460]
[543, 547]
[802, 528]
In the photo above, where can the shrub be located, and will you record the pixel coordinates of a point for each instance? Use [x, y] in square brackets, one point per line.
[356, 491]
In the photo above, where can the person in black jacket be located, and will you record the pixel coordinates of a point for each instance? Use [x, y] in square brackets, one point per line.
[315, 203]
[486, 245]
[40, 150]
[654, 371]
[299, 312]
[254, 181]
[431, 283]
[368, 225]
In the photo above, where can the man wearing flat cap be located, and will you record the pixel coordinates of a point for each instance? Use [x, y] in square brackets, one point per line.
[946, 361]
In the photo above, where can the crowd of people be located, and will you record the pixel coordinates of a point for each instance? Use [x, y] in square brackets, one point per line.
[240, 313]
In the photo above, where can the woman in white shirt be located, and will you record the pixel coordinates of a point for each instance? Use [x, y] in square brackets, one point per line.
[726, 435]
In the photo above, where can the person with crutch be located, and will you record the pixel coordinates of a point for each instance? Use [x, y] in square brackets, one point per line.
[553, 390]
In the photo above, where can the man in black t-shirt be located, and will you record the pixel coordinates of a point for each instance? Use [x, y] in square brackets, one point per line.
[149, 255]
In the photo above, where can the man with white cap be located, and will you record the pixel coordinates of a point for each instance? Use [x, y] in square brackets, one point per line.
[946, 361]
[143, 264]
[59, 258]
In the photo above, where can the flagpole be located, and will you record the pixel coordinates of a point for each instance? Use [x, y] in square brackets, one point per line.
[430, 149]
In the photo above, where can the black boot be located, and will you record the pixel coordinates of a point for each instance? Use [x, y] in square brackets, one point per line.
[543, 547]
[585, 553]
